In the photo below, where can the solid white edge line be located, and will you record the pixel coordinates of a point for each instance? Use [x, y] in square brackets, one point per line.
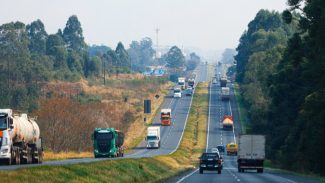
[208, 132]
[188, 112]
[206, 148]
[233, 128]
[186, 176]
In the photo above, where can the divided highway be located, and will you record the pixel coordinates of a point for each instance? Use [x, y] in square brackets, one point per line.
[216, 135]
[170, 135]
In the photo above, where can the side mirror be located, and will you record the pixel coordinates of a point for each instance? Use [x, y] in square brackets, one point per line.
[11, 127]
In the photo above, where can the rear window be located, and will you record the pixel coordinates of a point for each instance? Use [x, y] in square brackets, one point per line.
[209, 156]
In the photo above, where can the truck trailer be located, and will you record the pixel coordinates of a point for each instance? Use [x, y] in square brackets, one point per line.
[225, 93]
[227, 123]
[181, 83]
[251, 153]
[166, 116]
[190, 82]
[223, 81]
[108, 142]
[20, 141]
[153, 137]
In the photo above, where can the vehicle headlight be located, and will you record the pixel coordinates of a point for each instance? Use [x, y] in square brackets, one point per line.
[5, 150]
[203, 165]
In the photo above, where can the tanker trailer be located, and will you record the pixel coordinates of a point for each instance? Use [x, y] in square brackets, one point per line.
[20, 141]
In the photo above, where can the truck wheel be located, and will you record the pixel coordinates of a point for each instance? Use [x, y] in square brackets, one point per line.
[40, 156]
[29, 155]
[219, 170]
[201, 171]
[17, 156]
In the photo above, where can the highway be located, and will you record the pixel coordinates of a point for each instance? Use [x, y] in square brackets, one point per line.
[170, 135]
[216, 136]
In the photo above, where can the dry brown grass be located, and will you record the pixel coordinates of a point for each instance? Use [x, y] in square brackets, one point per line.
[49, 155]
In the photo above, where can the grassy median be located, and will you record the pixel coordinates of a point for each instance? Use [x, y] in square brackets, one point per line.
[131, 170]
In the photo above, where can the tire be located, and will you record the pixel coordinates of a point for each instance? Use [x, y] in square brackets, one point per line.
[219, 170]
[260, 170]
[9, 161]
[17, 157]
[201, 171]
[40, 156]
[29, 155]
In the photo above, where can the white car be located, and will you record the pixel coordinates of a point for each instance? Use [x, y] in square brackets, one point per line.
[177, 93]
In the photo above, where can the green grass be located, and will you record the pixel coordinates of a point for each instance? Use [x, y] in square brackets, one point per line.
[241, 109]
[131, 170]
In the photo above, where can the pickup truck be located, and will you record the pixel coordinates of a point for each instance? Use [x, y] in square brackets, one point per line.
[210, 161]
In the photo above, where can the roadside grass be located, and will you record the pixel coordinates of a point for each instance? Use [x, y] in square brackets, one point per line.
[242, 110]
[131, 170]
[49, 155]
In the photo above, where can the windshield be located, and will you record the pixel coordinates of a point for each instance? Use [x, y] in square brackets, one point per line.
[177, 91]
[181, 83]
[104, 136]
[152, 138]
[165, 118]
[3, 122]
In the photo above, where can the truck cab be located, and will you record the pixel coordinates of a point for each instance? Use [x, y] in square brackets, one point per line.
[153, 137]
[107, 142]
[232, 149]
[181, 83]
[166, 117]
[227, 123]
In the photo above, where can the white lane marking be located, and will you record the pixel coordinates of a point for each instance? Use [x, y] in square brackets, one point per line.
[233, 126]
[206, 148]
[188, 112]
[188, 175]
[208, 133]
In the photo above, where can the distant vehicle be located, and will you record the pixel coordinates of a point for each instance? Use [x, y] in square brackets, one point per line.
[232, 149]
[225, 93]
[189, 91]
[251, 152]
[221, 149]
[181, 83]
[177, 92]
[214, 80]
[227, 123]
[108, 142]
[216, 150]
[190, 82]
[210, 161]
[20, 141]
[153, 137]
[223, 81]
[166, 116]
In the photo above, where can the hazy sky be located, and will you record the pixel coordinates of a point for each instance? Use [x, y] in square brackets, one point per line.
[206, 24]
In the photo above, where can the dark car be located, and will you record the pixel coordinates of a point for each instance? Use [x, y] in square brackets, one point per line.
[221, 149]
[210, 161]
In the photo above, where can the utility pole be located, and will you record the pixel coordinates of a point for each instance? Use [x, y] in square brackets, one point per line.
[157, 48]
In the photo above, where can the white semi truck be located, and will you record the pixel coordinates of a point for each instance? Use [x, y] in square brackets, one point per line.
[225, 93]
[153, 137]
[251, 153]
[182, 83]
[20, 141]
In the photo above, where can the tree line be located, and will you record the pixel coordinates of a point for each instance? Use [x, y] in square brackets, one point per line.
[280, 68]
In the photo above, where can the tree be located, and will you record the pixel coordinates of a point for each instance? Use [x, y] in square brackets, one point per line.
[193, 61]
[122, 56]
[175, 58]
[56, 48]
[72, 35]
[37, 36]
[141, 54]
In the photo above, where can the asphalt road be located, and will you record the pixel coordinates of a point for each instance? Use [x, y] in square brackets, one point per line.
[216, 136]
[170, 135]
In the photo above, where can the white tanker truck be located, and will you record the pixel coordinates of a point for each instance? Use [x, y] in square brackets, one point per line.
[20, 141]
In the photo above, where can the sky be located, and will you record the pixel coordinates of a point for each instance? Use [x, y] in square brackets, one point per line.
[207, 25]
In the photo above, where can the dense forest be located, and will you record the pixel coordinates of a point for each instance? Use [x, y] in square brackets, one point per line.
[280, 68]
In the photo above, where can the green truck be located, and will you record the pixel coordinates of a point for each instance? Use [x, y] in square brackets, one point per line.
[108, 142]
